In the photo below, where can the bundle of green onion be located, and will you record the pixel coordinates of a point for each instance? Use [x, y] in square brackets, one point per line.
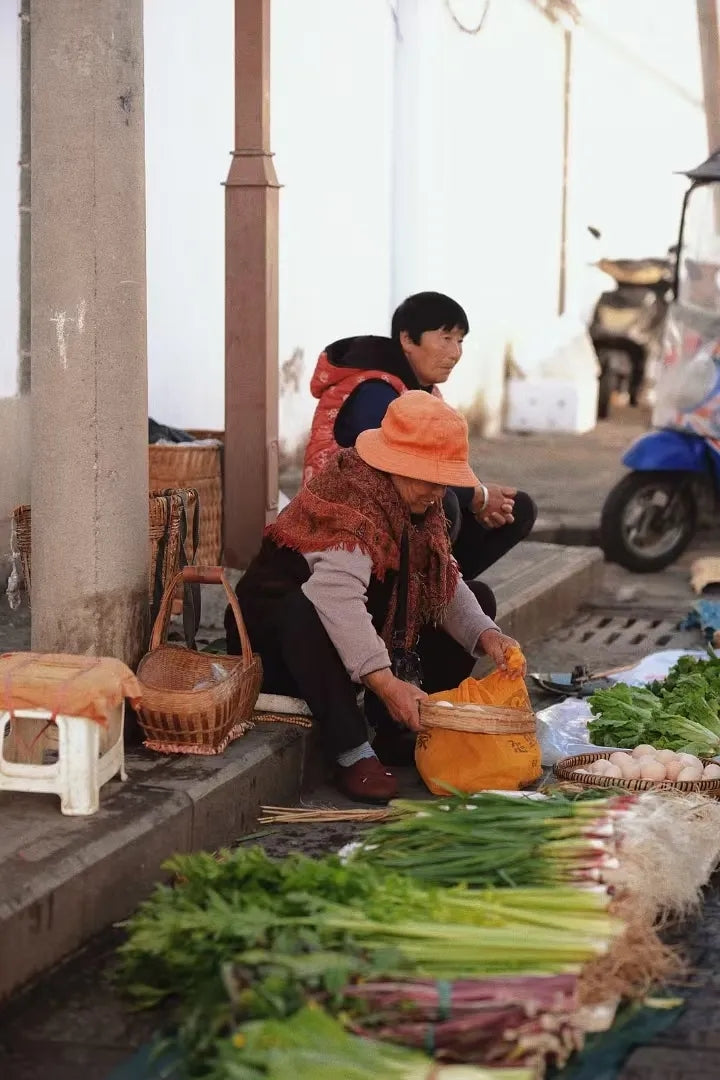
[490, 839]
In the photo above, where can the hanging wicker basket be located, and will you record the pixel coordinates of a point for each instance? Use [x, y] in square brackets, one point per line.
[199, 466]
[170, 518]
[193, 702]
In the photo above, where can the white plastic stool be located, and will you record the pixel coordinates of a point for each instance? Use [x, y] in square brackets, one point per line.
[88, 755]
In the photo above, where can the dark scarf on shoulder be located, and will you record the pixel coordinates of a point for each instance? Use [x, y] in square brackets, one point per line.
[352, 506]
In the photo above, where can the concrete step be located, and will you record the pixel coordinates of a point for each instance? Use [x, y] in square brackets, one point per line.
[539, 586]
[65, 879]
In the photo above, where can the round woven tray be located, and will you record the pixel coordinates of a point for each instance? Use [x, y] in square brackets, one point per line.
[564, 771]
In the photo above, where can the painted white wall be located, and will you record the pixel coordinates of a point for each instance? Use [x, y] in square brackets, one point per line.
[9, 194]
[331, 134]
[188, 137]
[332, 118]
[478, 178]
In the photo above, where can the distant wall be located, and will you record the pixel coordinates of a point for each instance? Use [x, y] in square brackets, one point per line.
[188, 138]
[332, 132]
[478, 177]
[637, 120]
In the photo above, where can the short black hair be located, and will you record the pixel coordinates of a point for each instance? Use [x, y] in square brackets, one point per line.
[428, 311]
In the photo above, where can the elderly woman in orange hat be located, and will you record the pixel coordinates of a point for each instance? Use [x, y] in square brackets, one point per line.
[355, 586]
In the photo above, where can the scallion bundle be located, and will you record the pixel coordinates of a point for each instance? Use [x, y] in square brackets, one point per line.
[490, 839]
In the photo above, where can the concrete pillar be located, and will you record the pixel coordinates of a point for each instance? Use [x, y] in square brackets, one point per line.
[89, 371]
[24, 203]
[251, 297]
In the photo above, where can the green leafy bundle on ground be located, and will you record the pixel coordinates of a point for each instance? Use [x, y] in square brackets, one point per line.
[681, 713]
[244, 937]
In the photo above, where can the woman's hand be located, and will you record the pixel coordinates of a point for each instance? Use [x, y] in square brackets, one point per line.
[498, 510]
[497, 646]
[401, 699]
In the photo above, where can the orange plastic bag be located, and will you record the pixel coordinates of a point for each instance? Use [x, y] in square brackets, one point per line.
[473, 762]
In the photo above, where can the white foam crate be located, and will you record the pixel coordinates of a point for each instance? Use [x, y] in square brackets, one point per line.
[539, 405]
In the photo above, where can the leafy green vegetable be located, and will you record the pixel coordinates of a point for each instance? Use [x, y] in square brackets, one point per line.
[313, 1046]
[681, 713]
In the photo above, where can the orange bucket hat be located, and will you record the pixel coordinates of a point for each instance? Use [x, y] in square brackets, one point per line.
[422, 438]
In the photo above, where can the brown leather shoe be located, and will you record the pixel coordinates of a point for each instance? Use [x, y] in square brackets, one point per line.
[366, 781]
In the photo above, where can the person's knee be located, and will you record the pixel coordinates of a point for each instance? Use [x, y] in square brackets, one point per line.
[484, 596]
[525, 513]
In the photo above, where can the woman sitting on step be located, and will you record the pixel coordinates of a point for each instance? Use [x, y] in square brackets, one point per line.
[355, 585]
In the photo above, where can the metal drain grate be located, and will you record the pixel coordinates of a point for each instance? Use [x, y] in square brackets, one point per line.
[606, 630]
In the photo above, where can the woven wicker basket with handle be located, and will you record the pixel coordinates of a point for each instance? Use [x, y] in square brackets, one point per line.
[185, 708]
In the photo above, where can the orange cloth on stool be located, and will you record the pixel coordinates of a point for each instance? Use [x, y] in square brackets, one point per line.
[66, 685]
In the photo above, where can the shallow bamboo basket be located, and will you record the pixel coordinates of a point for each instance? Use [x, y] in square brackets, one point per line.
[176, 716]
[478, 719]
[564, 771]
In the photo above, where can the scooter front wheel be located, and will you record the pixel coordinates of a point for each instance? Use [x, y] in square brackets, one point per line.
[648, 520]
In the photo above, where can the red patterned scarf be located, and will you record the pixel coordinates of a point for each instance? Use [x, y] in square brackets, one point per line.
[352, 506]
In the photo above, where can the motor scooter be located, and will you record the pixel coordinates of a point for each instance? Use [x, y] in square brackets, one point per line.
[627, 324]
[652, 514]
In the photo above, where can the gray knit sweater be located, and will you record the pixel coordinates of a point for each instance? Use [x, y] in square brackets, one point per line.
[337, 588]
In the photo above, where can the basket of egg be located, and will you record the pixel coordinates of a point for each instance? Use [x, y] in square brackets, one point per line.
[642, 769]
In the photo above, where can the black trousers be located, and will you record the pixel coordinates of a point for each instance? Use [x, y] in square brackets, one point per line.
[475, 547]
[300, 660]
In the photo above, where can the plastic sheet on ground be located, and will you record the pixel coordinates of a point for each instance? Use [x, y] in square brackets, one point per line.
[562, 728]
